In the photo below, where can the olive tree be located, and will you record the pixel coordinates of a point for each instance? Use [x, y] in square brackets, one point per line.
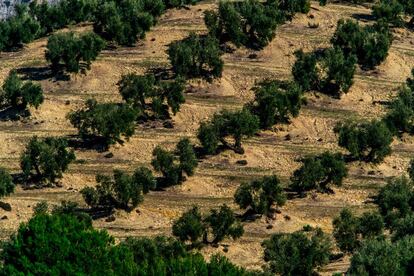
[173, 164]
[196, 56]
[237, 124]
[297, 253]
[46, 159]
[108, 121]
[150, 96]
[71, 52]
[368, 141]
[19, 94]
[122, 191]
[260, 195]
[276, 102]
[318, 172]
[6, 183]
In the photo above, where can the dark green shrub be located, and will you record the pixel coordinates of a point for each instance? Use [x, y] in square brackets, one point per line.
[390, 11]
[381, 257]
[123, 21]
[173, 164]
[276, 102]
[6, 183]
[304, 70]
[18, 30]
[369, 142]
[350, 231]
[121, 191]
[63, 245]
[146, 93]
[19, 94]
[319, 172]
[219, 224]
[196, 56]
[108, 121]
[73, 53]
[260, 195]
[370, 44]
[46, 159]
[298, 253]
[237, 124]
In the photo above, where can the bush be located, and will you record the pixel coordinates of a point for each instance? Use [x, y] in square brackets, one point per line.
[73, 52]
[380, 257]
[63, 245]
[18, 30]
[6, 183]
[318, 172]
[190, 226]
[369, 44]
[298, 253]
[219, 224]
[179, 3]
[19, 94]
[365, 141]
[349, 230]
[48, 158]
[260, 195]
[237, 124]
[121, 191]
[196, 56]
[395, 200]
[145, 92]
[172, 165]
[123, 21]
[275, 102]
[390, 11]
[108, 121]
[330, 71]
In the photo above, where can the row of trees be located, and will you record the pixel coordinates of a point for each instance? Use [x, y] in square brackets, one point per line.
[62, 243]
[123, 21]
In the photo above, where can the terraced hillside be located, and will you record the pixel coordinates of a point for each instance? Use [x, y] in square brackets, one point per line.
[216, 177]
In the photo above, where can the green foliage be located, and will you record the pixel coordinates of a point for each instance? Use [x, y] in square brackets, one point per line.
[146, 92]
[18, 30]
[196, 56]
[410, 169]
[395, 200]
[365, 141]
[318, 172]
[6, 183]
[109, 121]
[121, 191]
[73, 52]
[370, 44]
[123, 21]
[390, 11]
[190, 226]
[237, 124]
[251, 23]
[298, 253]
[276, 102]
[19, 94]
[63, 245]
[167, 256]
[179, 3]
[331, 71]
[260, 195]
[349, 230]
[381, 257]
[219, 224]
[400, 115]
[173, 164]
[48, 158]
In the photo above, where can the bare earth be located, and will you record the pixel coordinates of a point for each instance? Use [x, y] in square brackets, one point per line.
[217, 177]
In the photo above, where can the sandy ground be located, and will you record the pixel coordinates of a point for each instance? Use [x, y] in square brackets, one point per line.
[217, 177]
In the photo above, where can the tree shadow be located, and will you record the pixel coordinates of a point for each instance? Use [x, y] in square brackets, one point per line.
[13, 114]
[87, 143]
[41, 73]
[363, 17]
